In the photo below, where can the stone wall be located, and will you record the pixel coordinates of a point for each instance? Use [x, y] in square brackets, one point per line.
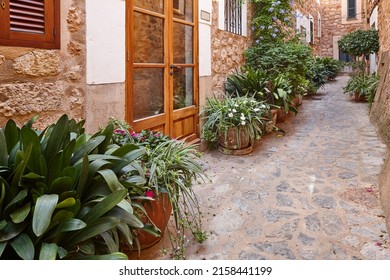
[380, 111]
[46, 82]
[306, 8]
[227, 51]
[333, 26]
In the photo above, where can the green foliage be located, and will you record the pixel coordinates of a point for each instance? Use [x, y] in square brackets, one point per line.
[62, 193]
[280, 94]
[287, 58]
[249, 81]
[227, 112]
[360, 42]
[321, 70]
[364, 85]
[272, 20]
[170, 166]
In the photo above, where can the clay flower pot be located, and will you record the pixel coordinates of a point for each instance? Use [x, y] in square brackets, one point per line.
[235, 141]
[158, 213]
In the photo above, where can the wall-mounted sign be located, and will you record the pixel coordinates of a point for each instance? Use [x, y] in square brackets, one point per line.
[204, 15]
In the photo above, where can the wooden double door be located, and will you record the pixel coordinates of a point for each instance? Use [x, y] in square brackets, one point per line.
[162, 67]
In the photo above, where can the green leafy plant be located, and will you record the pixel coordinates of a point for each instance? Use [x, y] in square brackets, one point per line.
[171, 167]
[287, 58]
[360, 43]
[228, 112]
[281, 95]
[272, 20]
[247, 82]
[63, 193]
[363, 85]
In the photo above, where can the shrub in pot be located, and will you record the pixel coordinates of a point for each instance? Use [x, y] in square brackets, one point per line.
[171, 167]
[234, 123]
[62, 193]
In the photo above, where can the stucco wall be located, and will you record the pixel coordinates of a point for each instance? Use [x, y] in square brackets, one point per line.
[46, 82]
[380, 111]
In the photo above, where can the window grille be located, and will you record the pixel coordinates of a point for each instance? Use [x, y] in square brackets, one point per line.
[233, 16]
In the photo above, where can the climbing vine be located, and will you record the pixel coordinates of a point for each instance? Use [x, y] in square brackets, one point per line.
[272, 20]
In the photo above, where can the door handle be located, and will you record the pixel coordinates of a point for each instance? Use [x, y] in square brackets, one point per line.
[3, 4]
[173, 66]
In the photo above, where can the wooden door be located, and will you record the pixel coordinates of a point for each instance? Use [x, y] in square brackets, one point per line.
[162, 68]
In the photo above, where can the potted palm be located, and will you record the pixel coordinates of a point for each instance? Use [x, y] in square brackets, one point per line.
[233, 124]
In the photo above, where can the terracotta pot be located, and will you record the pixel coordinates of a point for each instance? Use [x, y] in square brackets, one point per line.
[235, 138]
[359, 97]
[158, 213]
[297, 101]
[274, 115]
[281, 115]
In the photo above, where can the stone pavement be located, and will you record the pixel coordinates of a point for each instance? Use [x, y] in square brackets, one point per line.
[311, 194]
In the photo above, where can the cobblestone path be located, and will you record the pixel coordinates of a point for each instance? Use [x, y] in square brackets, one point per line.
[311, 194]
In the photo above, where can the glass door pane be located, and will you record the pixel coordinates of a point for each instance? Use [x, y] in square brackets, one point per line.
[183, 9]
[148, 88]
[151, 5]
[148, 39]
[183, 43]
[183, 88]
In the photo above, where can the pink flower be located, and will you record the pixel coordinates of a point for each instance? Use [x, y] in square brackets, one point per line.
[119, 131]
[149, 194]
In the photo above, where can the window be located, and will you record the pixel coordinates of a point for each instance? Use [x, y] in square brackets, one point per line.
[319, 25]
[351, 7]
[311, 40]
[345, 57]
[233, 16]
[30, 23]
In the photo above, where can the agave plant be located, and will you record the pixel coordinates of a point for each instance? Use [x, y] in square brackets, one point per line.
[63, 193]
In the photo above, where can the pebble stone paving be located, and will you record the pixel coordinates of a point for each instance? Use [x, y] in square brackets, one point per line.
[311, 194]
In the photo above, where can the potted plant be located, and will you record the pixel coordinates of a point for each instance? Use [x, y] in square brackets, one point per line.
[62, 193]
[170, 167]
[362, 86]
[279, 93]
[233, 124]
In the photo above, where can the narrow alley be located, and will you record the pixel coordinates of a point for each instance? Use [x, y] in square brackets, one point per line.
[311, 194]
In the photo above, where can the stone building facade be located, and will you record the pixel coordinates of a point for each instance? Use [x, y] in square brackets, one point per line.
[46, 82]
[227, 49]
[336, 24]
[308, 20]
[380, 110]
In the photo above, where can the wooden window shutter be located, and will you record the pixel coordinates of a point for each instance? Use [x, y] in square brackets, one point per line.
[30, 23]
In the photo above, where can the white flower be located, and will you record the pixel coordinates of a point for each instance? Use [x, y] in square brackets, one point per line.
[262, 106]
[234, 111]
[230, 115]
[243, 118]
[243, 123]
[256, 109]
[235, 105]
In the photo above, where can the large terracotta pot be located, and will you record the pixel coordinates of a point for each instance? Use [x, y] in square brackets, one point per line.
[158, 213]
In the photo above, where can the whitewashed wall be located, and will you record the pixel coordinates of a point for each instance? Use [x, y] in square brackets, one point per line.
[205, 38]
[373, 23]
[106, 44]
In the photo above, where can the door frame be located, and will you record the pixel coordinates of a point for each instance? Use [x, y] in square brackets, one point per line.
[167, 119]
